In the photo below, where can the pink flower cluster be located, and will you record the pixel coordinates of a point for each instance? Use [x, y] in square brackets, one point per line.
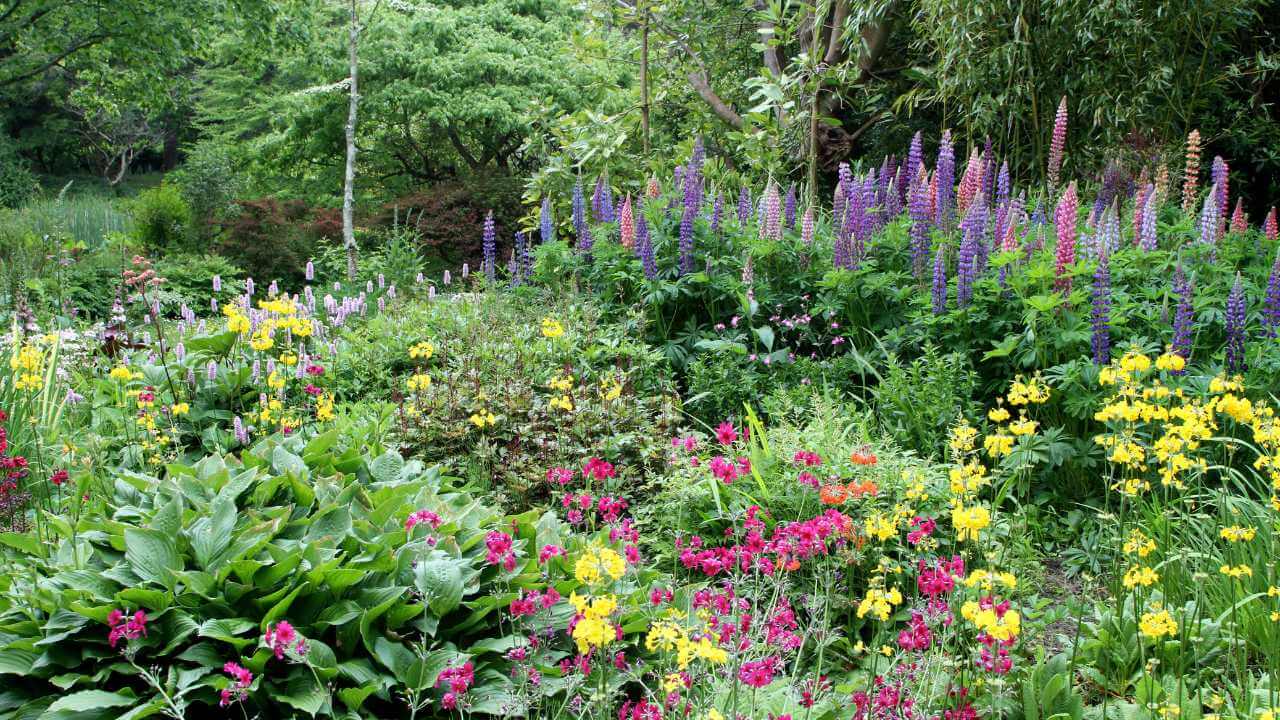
[758, 673]
[125, 627]
[529, 603]
[727, 470]
[458, 680]
[238, 691]
[282, 637]
[501, 550]
[807, 458]
[789, 544]
[921, 528]
[420, 517]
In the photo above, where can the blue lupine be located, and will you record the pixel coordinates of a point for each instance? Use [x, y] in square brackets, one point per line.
[606, 204]
[892, 199]
[945, 174]
[1147, 222]
[579, 207]
[490, 247]
[1271, 305]
[1209, 218]
[988, 170]
[974, 228]
[1100, 318]
[585, 241]
[1183, 314]
[545, 228]
[915, 157]
[598, 205]
[644, 248]
[744, 206]
[789, 212]
[939, 281]
[686, 224]
[1236, 316]
[918, 209]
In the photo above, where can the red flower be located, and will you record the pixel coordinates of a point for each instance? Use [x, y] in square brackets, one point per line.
[59, 477]
[726, 433]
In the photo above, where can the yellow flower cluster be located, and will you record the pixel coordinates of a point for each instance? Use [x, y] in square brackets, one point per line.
[1028, 392]
[594, 628]
[970, 521]
[594, 565]
[1139, 544]
[987, 580]
[1235, 533]
[422, 351]
[27, 364]
[1004, 627]
[879, 603]
[667, 635]
[1140, 575]
[483, 418]
[552, 328]
[1157, 624]
[1236, 571]
[882, 528]
[418, 382]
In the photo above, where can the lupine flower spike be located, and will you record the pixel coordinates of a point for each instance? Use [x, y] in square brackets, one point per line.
[1236, 317]
[1191, 175]
[1065, 218]
[1057, 144]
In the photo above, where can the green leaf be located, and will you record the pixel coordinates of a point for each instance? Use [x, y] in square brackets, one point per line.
[21, 541]
[211, 535]
[386, 467]
[353, 698]
[303, 692]
[89, 700]
[227, 630]
[440, 581]
[16, 662]
[286, 463]
[152, 555]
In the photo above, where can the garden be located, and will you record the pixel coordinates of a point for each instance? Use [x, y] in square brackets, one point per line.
[951, 429]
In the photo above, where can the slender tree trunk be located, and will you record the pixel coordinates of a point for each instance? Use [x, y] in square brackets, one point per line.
[644, 79]
[349, 179]
[813, 139]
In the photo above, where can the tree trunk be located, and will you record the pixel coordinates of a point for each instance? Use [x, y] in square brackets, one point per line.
[349, 179]
[644, 80]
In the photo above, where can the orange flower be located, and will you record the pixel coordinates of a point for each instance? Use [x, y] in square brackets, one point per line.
[863, 456]
[833, 494]
[866, 487]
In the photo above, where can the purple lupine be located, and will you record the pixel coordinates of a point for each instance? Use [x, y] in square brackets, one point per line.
[490, 247]
[1183, 314]
[1271, 305]
[945, 174]
[807, 227]
[717, 213]
[1209, 218]
[585, 241]
[771, 222]
[241, 433]
[790, 207]
[974, 228]
[546, 229]
[939, 281]
[988, 171]
[598, 205]
[1220, 177]
[918, 209]
[518, 258]
[1100, 318]
[915, 157]
[310, 272]
[1002, 184]
[686, 225]
[579, 208]
[744, 206]
[644, 248]
[1147, 221]
[1235, 322]
[217, 283]
[892, 199]
[1106, 239]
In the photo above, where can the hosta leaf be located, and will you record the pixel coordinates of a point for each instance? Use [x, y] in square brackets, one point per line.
[98, 701]
[152, 555]
[211, 535]
[386, 467]
[303, 692]
[353, 698]
[440, 581]
[20, 541]
[228, 630]
[16, 662]
[286, 463]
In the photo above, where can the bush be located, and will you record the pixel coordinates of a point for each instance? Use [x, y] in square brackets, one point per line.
[17, 184]
[190, 276]
[271, 239]
[209, 184]
[448, 215]
[918, 397]
[162, 220]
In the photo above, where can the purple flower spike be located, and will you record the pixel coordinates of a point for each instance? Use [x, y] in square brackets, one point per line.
[1100, 318]
[1236, 317]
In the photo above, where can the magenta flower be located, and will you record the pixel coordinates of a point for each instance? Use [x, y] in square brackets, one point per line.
[422, 516]
[759, 673]
[281, 638]
[126, 627]
[726, 433]
[499, 545]
[238, 691]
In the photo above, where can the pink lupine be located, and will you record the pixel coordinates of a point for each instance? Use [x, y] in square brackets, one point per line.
[1191, 175]
[1270, 227]
[1057, 143]
[1065, 218]
[1239, 223]
[627, 225]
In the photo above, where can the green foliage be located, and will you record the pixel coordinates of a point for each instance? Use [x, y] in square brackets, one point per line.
[190, 275]
[162, 220]
[209, 184]
[914, 399]
[218, 551]
[17, 184]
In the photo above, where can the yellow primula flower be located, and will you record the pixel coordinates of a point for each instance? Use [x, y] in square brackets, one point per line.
[552, 328]
[1156, 625]
[969, 522]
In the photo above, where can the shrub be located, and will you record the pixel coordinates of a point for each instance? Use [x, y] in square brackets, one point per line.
[17, 184]
[162, 220]
[271, 239]
[917, 397]
[209, 184]
[190, 276]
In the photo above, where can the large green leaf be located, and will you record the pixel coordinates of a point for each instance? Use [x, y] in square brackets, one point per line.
[440, 581]
[152, 555]
[89, 704]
